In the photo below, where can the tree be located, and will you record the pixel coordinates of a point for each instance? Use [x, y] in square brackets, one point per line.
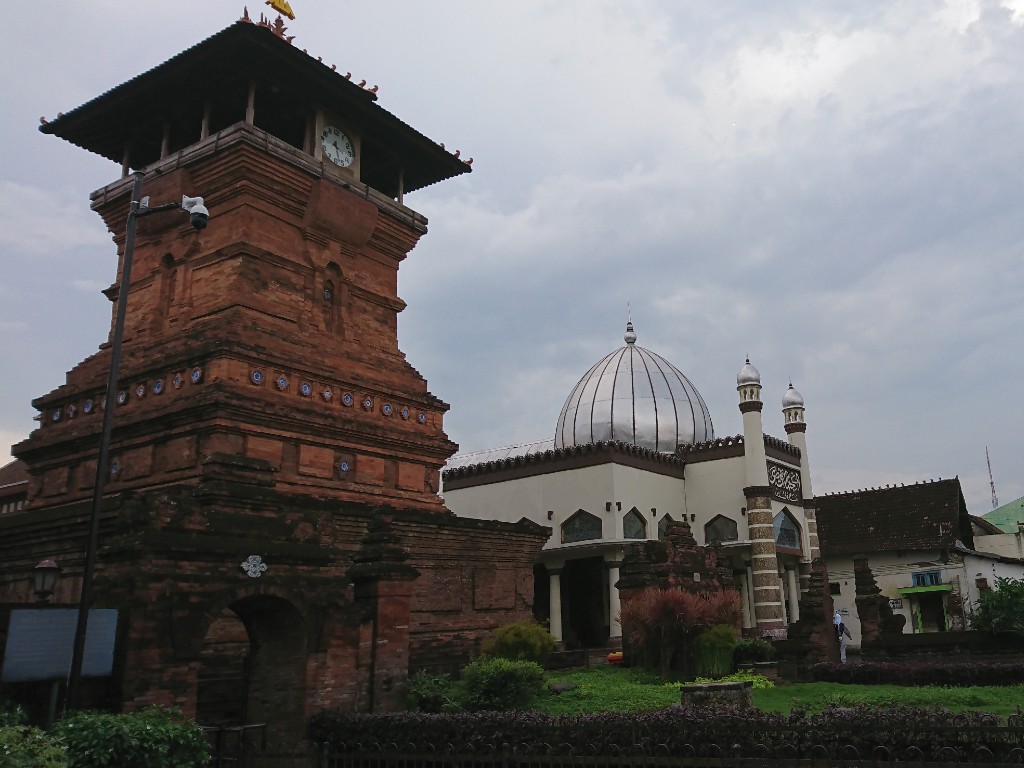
[1001, 609]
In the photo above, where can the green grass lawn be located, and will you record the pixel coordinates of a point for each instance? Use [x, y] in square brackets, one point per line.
[611, 689]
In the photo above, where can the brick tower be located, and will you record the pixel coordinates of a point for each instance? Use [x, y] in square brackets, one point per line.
[272, 334]
[270, 535]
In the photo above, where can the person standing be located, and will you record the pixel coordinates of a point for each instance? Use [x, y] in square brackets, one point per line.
[844, 633]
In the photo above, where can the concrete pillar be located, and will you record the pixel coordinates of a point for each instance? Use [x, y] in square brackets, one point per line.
[614, 607]
[745, 600]
[555, 602]
[750, 596]
[793, 595]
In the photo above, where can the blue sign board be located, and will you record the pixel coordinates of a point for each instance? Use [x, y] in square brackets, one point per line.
[40, 643]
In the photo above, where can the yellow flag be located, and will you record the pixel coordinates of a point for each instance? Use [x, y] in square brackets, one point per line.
[282, 7]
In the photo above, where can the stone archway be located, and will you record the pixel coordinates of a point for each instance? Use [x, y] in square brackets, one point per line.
[253, 668]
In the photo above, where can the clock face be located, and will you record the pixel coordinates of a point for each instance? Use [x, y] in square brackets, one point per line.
[337, 146]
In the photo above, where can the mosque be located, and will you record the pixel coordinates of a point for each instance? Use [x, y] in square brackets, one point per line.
[633, 450]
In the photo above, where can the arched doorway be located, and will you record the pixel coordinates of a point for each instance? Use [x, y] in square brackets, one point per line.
[584, 603]
[253, 668]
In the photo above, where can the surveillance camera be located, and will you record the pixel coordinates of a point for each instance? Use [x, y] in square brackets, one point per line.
[198, 215]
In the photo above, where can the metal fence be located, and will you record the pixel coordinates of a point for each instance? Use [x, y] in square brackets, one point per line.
[234, 746]
[1004, 746]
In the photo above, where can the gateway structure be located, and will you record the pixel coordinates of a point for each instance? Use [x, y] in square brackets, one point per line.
[634, 449]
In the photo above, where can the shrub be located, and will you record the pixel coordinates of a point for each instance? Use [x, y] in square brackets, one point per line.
[152, 738]
[757, 682]
[521, 641]
[26, 747]
[1001, 609]
[823, 738]
[656, 623]
[11, 714]
[429, 693]
[499, 684]
[921, 673]
[752, 649]
[714, 650]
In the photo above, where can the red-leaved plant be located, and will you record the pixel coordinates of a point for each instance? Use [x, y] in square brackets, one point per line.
[657, 623]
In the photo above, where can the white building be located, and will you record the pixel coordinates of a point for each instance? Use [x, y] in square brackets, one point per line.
[928, 555]
[633, 449]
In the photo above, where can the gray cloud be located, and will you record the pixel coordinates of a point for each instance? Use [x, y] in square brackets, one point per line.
[833, 190]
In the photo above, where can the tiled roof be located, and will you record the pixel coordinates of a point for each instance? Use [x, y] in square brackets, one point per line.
[930, 515]
[1007, 516]
[13, 473]
[226, 63]
[498, 454]
[539, 462]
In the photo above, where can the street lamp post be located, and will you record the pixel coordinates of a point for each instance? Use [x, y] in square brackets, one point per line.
[198, 216]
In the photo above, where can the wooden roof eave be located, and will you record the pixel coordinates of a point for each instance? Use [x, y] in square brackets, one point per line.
[200, 73]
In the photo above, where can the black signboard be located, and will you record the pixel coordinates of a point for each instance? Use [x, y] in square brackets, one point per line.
[40, 643]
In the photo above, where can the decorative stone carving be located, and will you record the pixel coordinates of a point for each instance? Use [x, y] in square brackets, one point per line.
[784, 482]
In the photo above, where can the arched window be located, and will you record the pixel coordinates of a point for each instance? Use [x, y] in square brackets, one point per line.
[720, 528]
[582, 526]
[330, 306]
[663, 526]
[787, 532]
[633, 525]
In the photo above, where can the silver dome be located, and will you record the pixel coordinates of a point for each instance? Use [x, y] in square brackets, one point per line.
[748, 375]
[634, 396]
[792, 398]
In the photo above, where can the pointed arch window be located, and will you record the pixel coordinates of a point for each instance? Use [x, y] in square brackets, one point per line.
[633, 525]
[720, 528]
[787, 531]
[663, 527]
[582, 526]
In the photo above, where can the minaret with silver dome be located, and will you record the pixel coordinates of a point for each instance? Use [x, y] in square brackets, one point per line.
[768, 611]
[796, 428]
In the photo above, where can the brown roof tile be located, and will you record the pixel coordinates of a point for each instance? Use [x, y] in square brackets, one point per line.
[931, 515]
[13, 473]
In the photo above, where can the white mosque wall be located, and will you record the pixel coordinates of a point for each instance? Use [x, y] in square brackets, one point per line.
[715, 488]
[608, 491]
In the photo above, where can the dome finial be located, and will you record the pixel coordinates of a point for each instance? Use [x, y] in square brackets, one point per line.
[630, 336]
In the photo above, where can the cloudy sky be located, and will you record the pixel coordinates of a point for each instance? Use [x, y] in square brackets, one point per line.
[834, 189]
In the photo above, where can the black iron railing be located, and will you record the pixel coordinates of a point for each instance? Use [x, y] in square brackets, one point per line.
[231, 746]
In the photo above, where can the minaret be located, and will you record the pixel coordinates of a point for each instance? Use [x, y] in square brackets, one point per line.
[764, 565]
[796, 428]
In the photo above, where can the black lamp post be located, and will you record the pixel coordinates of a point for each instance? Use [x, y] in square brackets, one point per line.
[198, 217]
[44, 579]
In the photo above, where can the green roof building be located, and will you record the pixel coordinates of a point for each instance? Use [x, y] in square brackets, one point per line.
[1007, 516]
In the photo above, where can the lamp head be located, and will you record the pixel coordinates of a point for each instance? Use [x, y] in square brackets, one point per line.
[44, 579]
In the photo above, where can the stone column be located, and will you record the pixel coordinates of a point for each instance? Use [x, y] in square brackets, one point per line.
[794, 595]
[555, 603]
[750, 596]
[614, 608]
[745, 600]
[764, 564]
